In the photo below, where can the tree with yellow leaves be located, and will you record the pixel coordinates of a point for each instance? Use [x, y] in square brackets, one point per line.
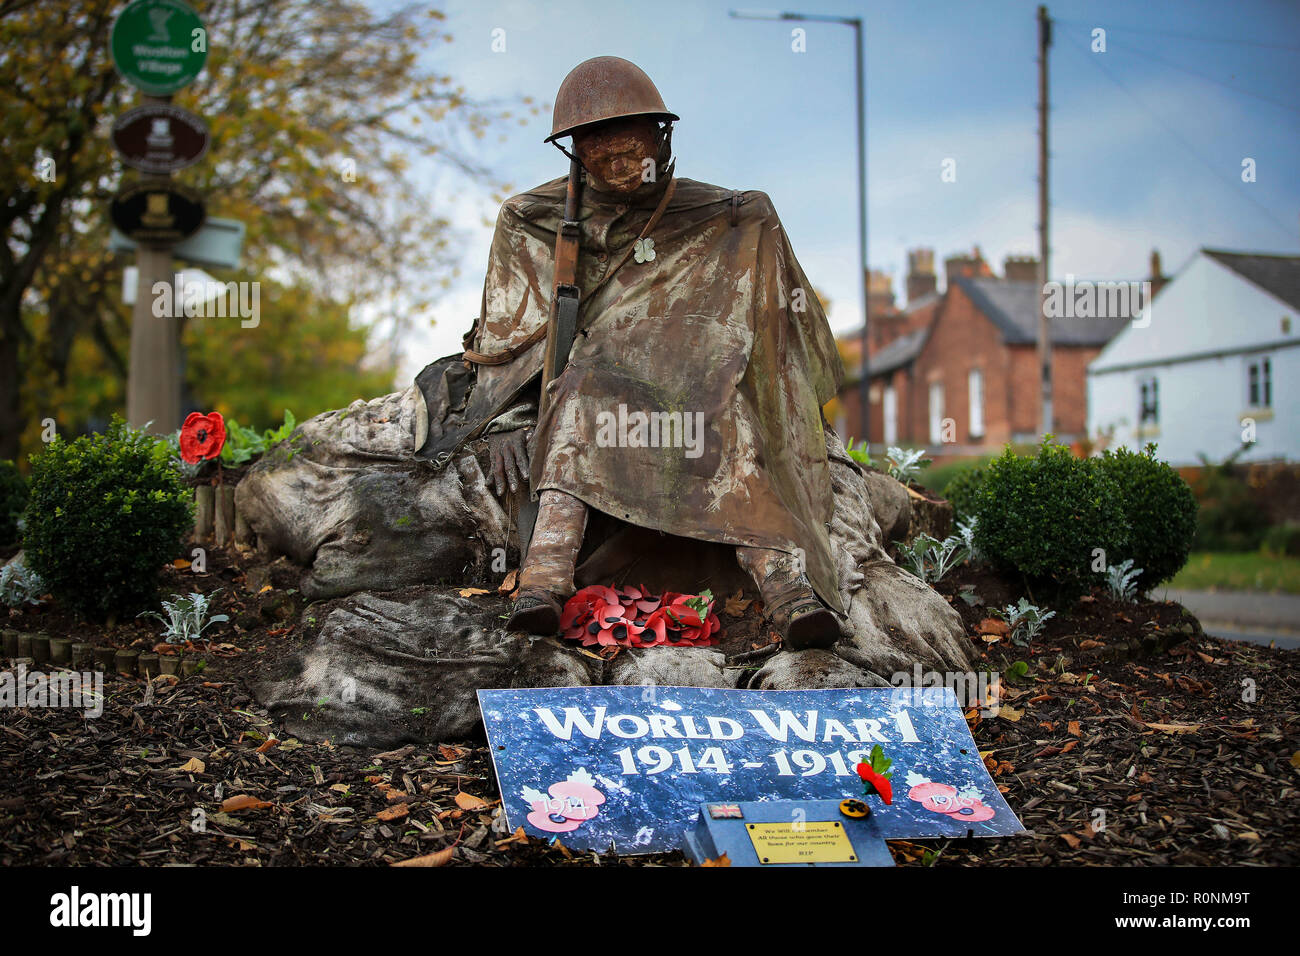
[317, 110]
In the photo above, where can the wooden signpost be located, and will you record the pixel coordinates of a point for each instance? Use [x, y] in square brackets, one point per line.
[159, 47]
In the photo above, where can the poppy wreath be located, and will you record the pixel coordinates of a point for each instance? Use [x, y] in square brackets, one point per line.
[633, 617]
[202, 436]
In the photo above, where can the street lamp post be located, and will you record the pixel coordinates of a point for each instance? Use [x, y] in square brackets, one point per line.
[861, 79]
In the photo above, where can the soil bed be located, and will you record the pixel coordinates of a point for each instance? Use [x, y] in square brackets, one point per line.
[1181, 745]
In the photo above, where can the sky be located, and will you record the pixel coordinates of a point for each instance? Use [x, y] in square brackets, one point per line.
[1147, 138]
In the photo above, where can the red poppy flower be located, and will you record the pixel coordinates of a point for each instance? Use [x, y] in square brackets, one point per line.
[202, 437]
[878, 783]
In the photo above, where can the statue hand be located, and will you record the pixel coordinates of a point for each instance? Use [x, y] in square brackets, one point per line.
[509, 454]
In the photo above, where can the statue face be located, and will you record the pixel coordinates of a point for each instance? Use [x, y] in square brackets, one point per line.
[616, 152]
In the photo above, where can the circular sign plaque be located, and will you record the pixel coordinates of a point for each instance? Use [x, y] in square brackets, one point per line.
[160, 139]
[153, 45]
[157, 213]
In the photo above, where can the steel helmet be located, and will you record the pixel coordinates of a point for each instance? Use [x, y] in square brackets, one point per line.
[604, 88]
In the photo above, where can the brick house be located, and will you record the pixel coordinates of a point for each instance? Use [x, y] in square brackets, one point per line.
[957, 372]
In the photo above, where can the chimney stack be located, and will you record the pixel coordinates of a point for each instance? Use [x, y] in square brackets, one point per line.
[880, 293]
[921, 279]
[966, 266]
[1020, 268]
[1158, 278]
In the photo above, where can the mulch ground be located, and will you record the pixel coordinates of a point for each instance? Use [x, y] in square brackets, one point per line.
[1132, 738]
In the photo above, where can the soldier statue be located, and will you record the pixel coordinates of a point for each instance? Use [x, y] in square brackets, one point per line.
[689, 397]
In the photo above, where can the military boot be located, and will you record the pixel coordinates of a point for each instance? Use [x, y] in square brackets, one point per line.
[803, 621]
[536, 611]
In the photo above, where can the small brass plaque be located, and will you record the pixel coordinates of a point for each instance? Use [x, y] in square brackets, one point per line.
[809, 842]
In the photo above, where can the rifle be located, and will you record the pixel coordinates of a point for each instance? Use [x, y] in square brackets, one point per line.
[561, 325]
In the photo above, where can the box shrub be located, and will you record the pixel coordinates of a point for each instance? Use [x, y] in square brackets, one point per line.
[962, 492]
[1043, 516]
[1161, 513]
[105, 513]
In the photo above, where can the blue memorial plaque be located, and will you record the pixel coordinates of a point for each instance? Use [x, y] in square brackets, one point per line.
[785, 833]
[626, 768]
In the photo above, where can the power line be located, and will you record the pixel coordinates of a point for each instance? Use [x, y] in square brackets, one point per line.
[1179, 137]
[1181, 36]
[1203, 76]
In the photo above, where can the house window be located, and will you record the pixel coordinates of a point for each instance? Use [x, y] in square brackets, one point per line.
[975, 383]
[891, 415]
[936, 413]
[1259, 383]
[1148, 402]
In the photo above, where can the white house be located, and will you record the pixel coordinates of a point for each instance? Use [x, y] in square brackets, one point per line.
[1212, 363]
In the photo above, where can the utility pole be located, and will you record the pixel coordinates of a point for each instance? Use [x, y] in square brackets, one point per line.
[864, 387]
[1044, 331]
[860, 80]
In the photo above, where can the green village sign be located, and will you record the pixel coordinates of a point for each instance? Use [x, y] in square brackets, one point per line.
[159, 46]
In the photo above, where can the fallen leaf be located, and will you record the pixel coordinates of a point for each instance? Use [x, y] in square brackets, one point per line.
[401, 753]
[1072, 728]
[1089, 644]
[397, 796]
[1176, 728]
[1071, 839]
[467, 801]
[429, 859]
[243, 802]
[508, 584]
[991, 625]
[1007, 712]
[519, 836]
[736, 605]
[180, 563]
[471, 592]
[193, 765]
[267, 745]
[265, 588]
[723, 860]
[393, 813]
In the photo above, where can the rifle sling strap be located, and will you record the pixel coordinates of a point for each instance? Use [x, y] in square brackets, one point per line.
[511, 352]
